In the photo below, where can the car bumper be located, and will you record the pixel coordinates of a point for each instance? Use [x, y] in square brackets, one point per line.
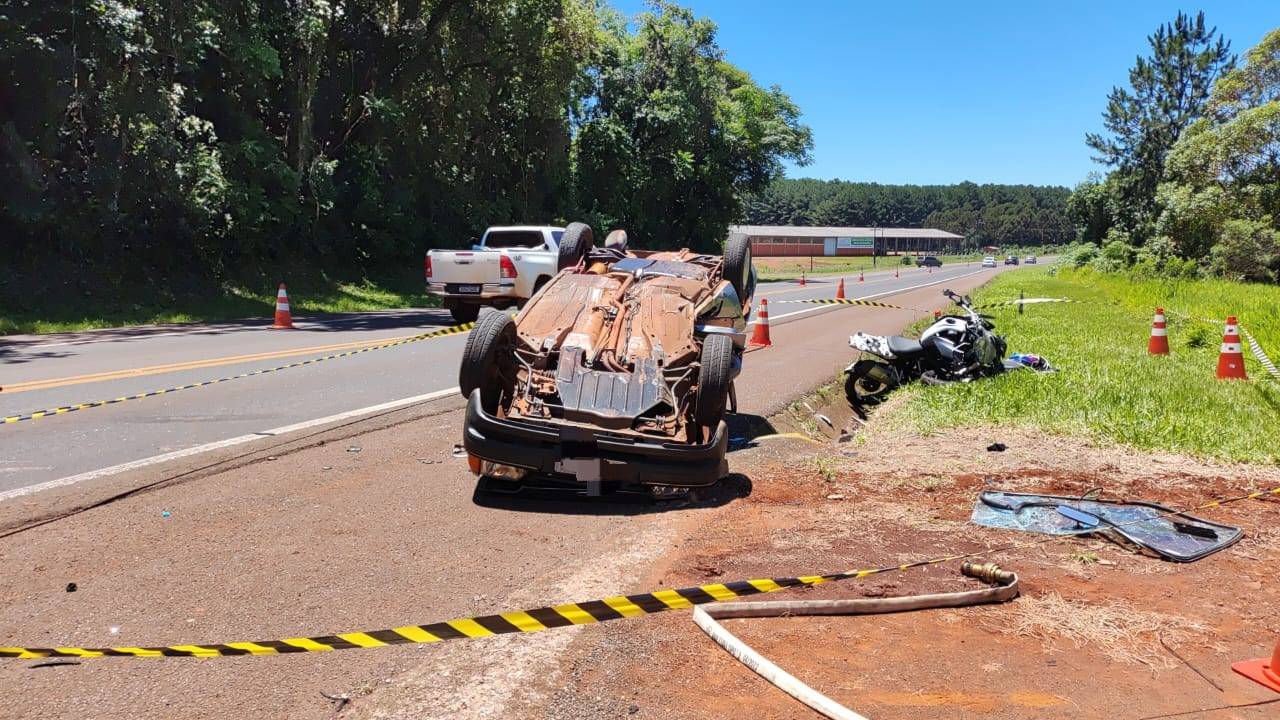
[488, 291]
[588, 455]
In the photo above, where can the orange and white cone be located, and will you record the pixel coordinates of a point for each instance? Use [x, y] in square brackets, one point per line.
[1264, 671]
[1158, 344]
[1231, 357]
[284, 320]
[802, 279]
[760, 335]
[862, 276]
[840, 290]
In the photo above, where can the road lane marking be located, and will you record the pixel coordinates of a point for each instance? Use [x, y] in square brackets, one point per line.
[220, 444]
[30, 385]
[829, 308]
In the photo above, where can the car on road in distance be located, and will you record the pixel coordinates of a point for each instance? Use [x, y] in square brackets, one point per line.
[618, 374]
[1029, 260]
[988, 261]
[929, 261]
[505, 268]
[1011, 260]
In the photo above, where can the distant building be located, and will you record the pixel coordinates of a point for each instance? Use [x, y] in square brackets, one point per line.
[773, 240]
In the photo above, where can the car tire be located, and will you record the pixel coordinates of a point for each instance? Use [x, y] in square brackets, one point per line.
[485, 358]
[464, 312]
[575, 244]
[714, 378]
[737, 266]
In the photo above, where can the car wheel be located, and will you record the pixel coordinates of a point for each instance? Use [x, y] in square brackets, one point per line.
[869, 382]
[486, 360]
[575, 244]
[464, 312]
[737, 266]
[714, 377]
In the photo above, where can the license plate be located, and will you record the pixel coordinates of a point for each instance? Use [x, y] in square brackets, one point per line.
[469, 289]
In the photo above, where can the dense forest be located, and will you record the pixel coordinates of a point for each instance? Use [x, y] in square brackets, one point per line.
[147, 140]
[984, 214]
[1193, 147]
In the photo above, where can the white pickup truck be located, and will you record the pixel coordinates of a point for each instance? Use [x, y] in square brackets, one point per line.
[505, 268]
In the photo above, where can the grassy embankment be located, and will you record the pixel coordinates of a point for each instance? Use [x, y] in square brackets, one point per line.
[310, 294]
[1108, 387]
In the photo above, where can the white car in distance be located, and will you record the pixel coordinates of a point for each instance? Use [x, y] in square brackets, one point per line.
[505, 268]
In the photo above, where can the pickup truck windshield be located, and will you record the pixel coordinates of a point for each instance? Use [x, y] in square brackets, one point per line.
[498, 239]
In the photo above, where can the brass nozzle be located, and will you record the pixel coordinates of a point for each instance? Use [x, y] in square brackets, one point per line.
[990, 572]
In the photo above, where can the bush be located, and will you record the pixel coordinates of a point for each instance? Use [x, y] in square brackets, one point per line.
[1083, 255]
[1117, 254]
[1247, 250]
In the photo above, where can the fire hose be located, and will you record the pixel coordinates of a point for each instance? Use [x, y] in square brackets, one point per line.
[1005, 589]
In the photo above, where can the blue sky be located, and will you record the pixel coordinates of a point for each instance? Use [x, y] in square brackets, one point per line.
[940, 92]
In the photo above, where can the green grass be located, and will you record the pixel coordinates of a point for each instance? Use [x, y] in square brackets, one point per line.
[313, 294]
[1107, 387]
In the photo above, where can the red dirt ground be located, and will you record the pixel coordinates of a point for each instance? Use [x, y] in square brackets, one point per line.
[1099, 631]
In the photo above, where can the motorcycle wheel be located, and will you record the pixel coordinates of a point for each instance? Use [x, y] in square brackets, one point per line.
[869, 382]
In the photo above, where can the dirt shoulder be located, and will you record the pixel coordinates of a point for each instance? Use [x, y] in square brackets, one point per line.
[1099, 632]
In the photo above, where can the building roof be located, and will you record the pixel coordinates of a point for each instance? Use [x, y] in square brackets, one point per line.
[826, 232]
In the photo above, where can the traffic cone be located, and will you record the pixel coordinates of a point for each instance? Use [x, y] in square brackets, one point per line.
[840, 290]
[937, 314]
[1264, 671]
[861, 276]
[1159, 342]
[283, 319]
[760, 336]
[802, 278]
[1231, 357]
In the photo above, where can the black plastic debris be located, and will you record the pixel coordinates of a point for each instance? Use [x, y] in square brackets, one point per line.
[997, 447]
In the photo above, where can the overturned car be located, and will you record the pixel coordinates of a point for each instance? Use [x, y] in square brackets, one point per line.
[618, 372]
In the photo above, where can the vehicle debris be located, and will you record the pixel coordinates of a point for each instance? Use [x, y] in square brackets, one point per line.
[619, 371]
[353, 448]
[997, 447]
[71, 587]
[1166, 533]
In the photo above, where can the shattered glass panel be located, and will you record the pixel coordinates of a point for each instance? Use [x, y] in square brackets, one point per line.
[1171, 535]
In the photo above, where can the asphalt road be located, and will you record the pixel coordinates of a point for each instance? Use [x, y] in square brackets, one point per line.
[366, 524]
[40, 372]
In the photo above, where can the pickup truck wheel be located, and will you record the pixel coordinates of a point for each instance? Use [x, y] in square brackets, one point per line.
[714, 378]
[464, 312]
[575, 244]
[737, 266]
[486, 360]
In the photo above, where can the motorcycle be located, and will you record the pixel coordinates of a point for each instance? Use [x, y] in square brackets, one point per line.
[955, 348]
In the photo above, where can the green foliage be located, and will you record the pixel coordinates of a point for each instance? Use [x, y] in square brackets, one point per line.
[194, 143]
[1217, 151]
[1168, 92]
[1247, 250]
[1108, 387]
[985, 214]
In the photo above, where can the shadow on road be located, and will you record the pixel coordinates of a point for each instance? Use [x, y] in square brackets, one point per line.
[549, 496]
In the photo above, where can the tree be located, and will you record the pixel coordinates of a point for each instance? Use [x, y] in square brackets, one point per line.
[1143, 122]
[674, 135]
[1222, 182]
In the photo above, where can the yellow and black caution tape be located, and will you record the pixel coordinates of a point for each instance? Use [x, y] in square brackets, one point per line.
[37, 414]
[543, 618]
[1027, 301]
[843, 301]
